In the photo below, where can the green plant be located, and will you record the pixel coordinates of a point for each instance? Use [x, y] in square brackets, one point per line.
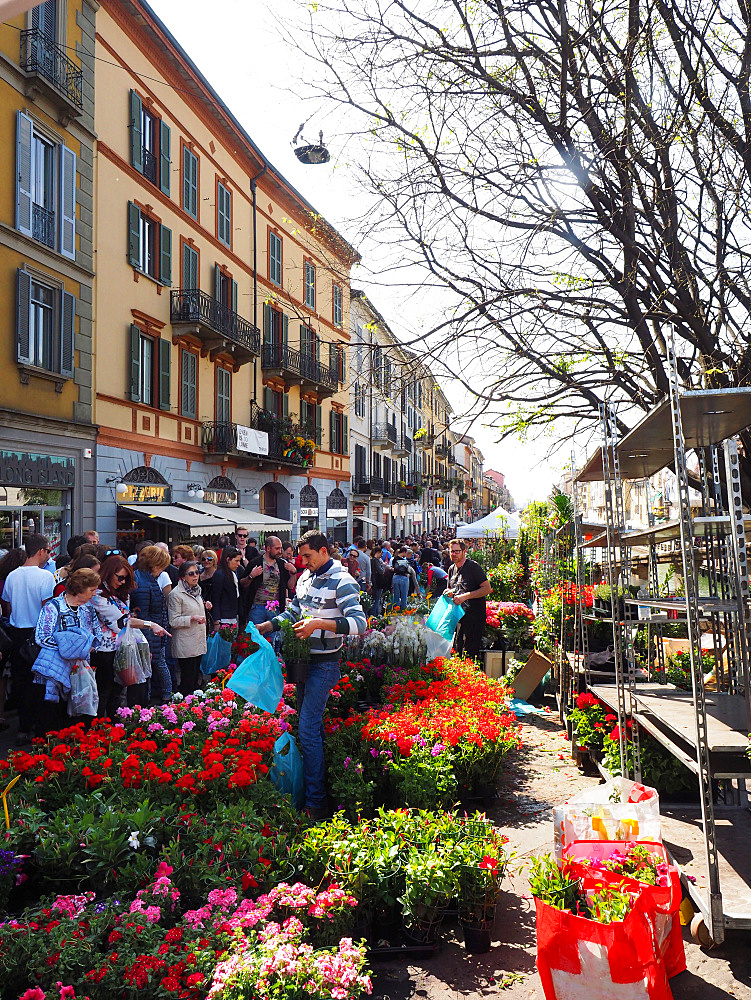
[293, 647]
[553, 885]
[431, 879]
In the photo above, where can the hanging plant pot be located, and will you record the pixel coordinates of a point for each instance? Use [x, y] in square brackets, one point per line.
[476, 938]
[297, 671]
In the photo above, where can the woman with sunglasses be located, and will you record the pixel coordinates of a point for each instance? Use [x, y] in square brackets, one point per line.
[112, 605]
[187, 619]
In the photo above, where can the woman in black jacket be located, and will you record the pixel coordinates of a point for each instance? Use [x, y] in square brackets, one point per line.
[147, 602]
[225, 592]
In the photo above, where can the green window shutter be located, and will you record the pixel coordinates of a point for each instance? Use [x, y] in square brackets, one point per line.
[165, 359]
[223, 214]
[190, 182]
[165, 255]
[268, 399]
[67, 203]
[136, 132]
[223, 396]
[332, 431]
[319, 417]
[345, 436]
[217, 283]
[135, 364]
[164, 157]
[343, 364]
[23, 332]
[285, 404]
[285, 330]
[134, 235]
[332, 357]
[67, 324]
[188, 394]
[234, 296]
[24, 133]
[267, 325]
[190, 267]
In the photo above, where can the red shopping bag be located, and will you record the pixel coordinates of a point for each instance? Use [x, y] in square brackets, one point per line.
[665, 900]
[580, 959]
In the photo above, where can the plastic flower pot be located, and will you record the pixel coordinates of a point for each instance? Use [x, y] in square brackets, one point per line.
[297, 671]
[423, 926]
[476, 938]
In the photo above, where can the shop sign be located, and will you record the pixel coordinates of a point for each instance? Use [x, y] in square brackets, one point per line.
[336, 512]
[249, 439]
[21, 468]
[439, 501]
[359, 508]
[147, 493]
[308, 512]
[222, 498]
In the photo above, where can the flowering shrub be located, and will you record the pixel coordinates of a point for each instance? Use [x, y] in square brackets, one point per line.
[506, 581]
[678, 668]
[513, 618]
[593, 721]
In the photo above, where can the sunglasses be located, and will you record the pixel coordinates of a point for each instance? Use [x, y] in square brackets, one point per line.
[241, 536]
[113, 552]
[192, 572]
[121, 576]
[206, 559]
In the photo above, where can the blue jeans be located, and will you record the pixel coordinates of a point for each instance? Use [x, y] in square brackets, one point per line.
[312, 696]
[377, 595]
[400, 586]
[161, 680]
[259, 614]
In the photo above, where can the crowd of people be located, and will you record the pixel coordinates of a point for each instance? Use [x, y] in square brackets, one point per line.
[59, 614]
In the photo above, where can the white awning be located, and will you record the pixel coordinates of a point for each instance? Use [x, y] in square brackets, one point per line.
[197, 522]
[240, 515]
[367, 520]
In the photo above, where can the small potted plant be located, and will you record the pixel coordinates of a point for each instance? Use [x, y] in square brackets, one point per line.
[484, 862]
[296, 652]
[431, 880]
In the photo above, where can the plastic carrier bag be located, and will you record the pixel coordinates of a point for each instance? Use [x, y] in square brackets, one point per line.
[618, 810]
[259, 677]
[286, 771]
[581, 959]
[218, 655]
[84, 696]
[666, 900]
[132, 663]
[444, 617]
[437, 645]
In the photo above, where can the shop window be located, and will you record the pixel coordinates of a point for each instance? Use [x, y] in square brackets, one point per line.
[149, 245]
[275, 258]
[190, 182]
[150, 369]
[150, 142]
[189, 384]
[45, 320]
[223, 214]
[310, 285]
[45, 188]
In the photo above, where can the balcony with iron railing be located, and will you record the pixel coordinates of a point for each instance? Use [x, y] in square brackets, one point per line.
[403, 446]
[50, 69]
[150, 165]
[442, 449]
[219, 328]
[367, 487]
[384, 437]
[424, 439]
[43, 225]
[300, 368]
[284, 436]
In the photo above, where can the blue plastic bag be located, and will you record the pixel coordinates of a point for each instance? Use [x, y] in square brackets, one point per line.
[286, 771]
[218, 655]
[444, 617]
[259, 677]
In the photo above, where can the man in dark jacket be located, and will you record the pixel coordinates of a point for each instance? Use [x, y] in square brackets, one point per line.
[265, 580]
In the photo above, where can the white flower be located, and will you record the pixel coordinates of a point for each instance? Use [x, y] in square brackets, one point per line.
[177, 697]
[133, 840]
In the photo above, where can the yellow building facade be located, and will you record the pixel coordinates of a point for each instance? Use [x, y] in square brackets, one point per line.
[47, 441]
[222, 305]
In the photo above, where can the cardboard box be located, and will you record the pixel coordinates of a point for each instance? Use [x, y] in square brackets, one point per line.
[531, 674]
[494, 662]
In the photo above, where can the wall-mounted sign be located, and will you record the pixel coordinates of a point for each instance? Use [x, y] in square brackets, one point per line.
[359, 508]
[439, 501]
[145, 494]
[308, 512]
[20, 468]
[249, 439]
[336, 513]
[222, 498]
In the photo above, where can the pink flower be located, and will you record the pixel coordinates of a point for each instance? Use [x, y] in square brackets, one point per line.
[35, 993]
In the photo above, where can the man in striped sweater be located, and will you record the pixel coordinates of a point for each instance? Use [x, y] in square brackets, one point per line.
[326, 606]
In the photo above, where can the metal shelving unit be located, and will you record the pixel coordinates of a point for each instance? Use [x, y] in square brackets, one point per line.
[706, 731]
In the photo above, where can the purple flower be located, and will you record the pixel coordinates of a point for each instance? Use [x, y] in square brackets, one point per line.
[438, 748]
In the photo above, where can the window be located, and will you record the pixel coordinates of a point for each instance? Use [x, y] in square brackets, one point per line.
[223, 396]
[360, 398]
[310, 285]
[275, 334]
[275, 402]
[150, 141]
[310, 420]
[149, 245]
[308, 341]
[189, 384]
[339, 433]
[43, 19]
[190, 278]
[361, 463]
[45, 188]
[223, 214]
[275, 258]
[190, 182]
[45, 317]
[150, 369]
[337, 299]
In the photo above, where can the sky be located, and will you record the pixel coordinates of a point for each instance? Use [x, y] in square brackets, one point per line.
[241, 52]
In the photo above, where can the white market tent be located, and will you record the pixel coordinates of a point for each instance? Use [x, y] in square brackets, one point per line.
[497, 523]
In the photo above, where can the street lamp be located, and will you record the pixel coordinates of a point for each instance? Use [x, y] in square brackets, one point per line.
[196, 490]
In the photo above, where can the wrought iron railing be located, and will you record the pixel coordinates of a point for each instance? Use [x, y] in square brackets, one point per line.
[384, 433]
[190, 305]
[442, 449]
[220, 438]
[150, 165]
[367, 487]
[41, 55]
[298, 363]
[424, 440]
[43, 225]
